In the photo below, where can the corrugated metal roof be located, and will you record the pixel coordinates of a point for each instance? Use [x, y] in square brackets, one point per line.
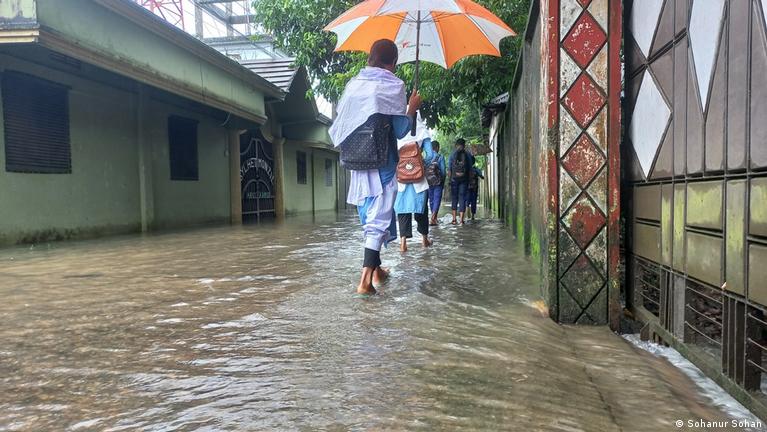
[279, 72]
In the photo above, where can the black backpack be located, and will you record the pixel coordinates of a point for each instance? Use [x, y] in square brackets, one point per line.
[369, 145]
[433, 175]
[459, 169]
[473, 180]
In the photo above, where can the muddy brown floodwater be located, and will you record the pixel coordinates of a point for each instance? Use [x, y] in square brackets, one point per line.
[256, 328]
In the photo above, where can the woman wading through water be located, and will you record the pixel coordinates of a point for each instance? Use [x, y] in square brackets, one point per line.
[372, 115]
[412, 194]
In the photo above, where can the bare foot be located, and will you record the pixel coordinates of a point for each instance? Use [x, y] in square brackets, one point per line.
[427, 242]
[366, 282]
[380, 275]
[366, 290]
[454, 222]
[403, 245]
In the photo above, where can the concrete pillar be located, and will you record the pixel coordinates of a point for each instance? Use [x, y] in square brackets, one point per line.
[582, 158]
[278, 146]
[340, 186]
[145, 160]
[235, 184]
[313, 180]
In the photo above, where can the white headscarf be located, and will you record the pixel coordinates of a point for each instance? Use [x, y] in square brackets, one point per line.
[373, 90]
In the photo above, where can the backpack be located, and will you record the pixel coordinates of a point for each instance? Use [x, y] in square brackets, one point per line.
[433, 175]
[410, 167]
[368, 146]
[473, 180]
[459, 168]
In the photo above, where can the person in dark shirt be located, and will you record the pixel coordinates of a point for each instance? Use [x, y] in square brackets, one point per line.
[435, 175]
[473, 191]
[459, 165]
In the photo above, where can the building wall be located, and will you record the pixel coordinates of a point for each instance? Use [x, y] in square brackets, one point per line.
[102, 193]
[298, 197]
[696, 164]
[324, 195]
[206, 200]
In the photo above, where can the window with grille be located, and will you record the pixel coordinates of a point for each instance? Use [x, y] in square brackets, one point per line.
[182, 143]
[301, 167]
[328, 172]
[36, 123]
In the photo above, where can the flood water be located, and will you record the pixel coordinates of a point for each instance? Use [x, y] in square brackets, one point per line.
[256, 328]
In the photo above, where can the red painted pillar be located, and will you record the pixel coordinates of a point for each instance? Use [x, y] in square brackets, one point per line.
[582, 73]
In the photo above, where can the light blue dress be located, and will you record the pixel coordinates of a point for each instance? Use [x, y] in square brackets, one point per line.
[410, 201]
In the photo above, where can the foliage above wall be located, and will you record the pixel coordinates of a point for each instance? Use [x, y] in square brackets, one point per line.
[452, 97]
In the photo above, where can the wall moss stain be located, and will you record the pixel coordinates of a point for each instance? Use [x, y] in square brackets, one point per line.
[535, 245]
[62, 234]
[704, 204]
[757, 273]
[704, 258]
[735, 248]
[666, 222]
[647, 241]
[647, 202]
[47, 235]
[679, 245]
[758, 215]
[521, 228]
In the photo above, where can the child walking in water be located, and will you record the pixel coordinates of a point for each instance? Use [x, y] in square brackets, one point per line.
[411, 202]
[373, 93]
[473, 191]
[435, 176]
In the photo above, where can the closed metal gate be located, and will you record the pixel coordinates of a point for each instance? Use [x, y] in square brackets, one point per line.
[696, 167]
[256, 177]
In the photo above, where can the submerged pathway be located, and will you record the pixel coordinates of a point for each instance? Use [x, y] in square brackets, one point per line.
[257, 329]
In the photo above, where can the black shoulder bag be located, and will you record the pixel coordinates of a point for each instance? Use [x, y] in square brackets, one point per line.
[369, 145]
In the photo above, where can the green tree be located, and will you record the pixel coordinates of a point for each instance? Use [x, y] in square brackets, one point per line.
[452, 98]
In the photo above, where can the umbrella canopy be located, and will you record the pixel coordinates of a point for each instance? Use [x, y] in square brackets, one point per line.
[449, 29]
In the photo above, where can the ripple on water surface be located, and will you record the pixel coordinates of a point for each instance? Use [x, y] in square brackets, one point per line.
[257, 329]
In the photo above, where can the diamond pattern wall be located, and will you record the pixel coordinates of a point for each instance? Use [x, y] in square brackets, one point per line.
[643, 22]
[706, 19]
[583, 160]
[584, 40]
[583, 157]
[648, 122]
[584, 100]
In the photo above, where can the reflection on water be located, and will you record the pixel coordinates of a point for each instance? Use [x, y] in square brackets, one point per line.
[257, 329]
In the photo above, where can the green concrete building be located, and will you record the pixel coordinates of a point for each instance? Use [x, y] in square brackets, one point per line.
[113, 121]
[313, 180]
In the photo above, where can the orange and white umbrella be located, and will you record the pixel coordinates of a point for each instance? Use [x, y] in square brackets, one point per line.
[437, 31]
